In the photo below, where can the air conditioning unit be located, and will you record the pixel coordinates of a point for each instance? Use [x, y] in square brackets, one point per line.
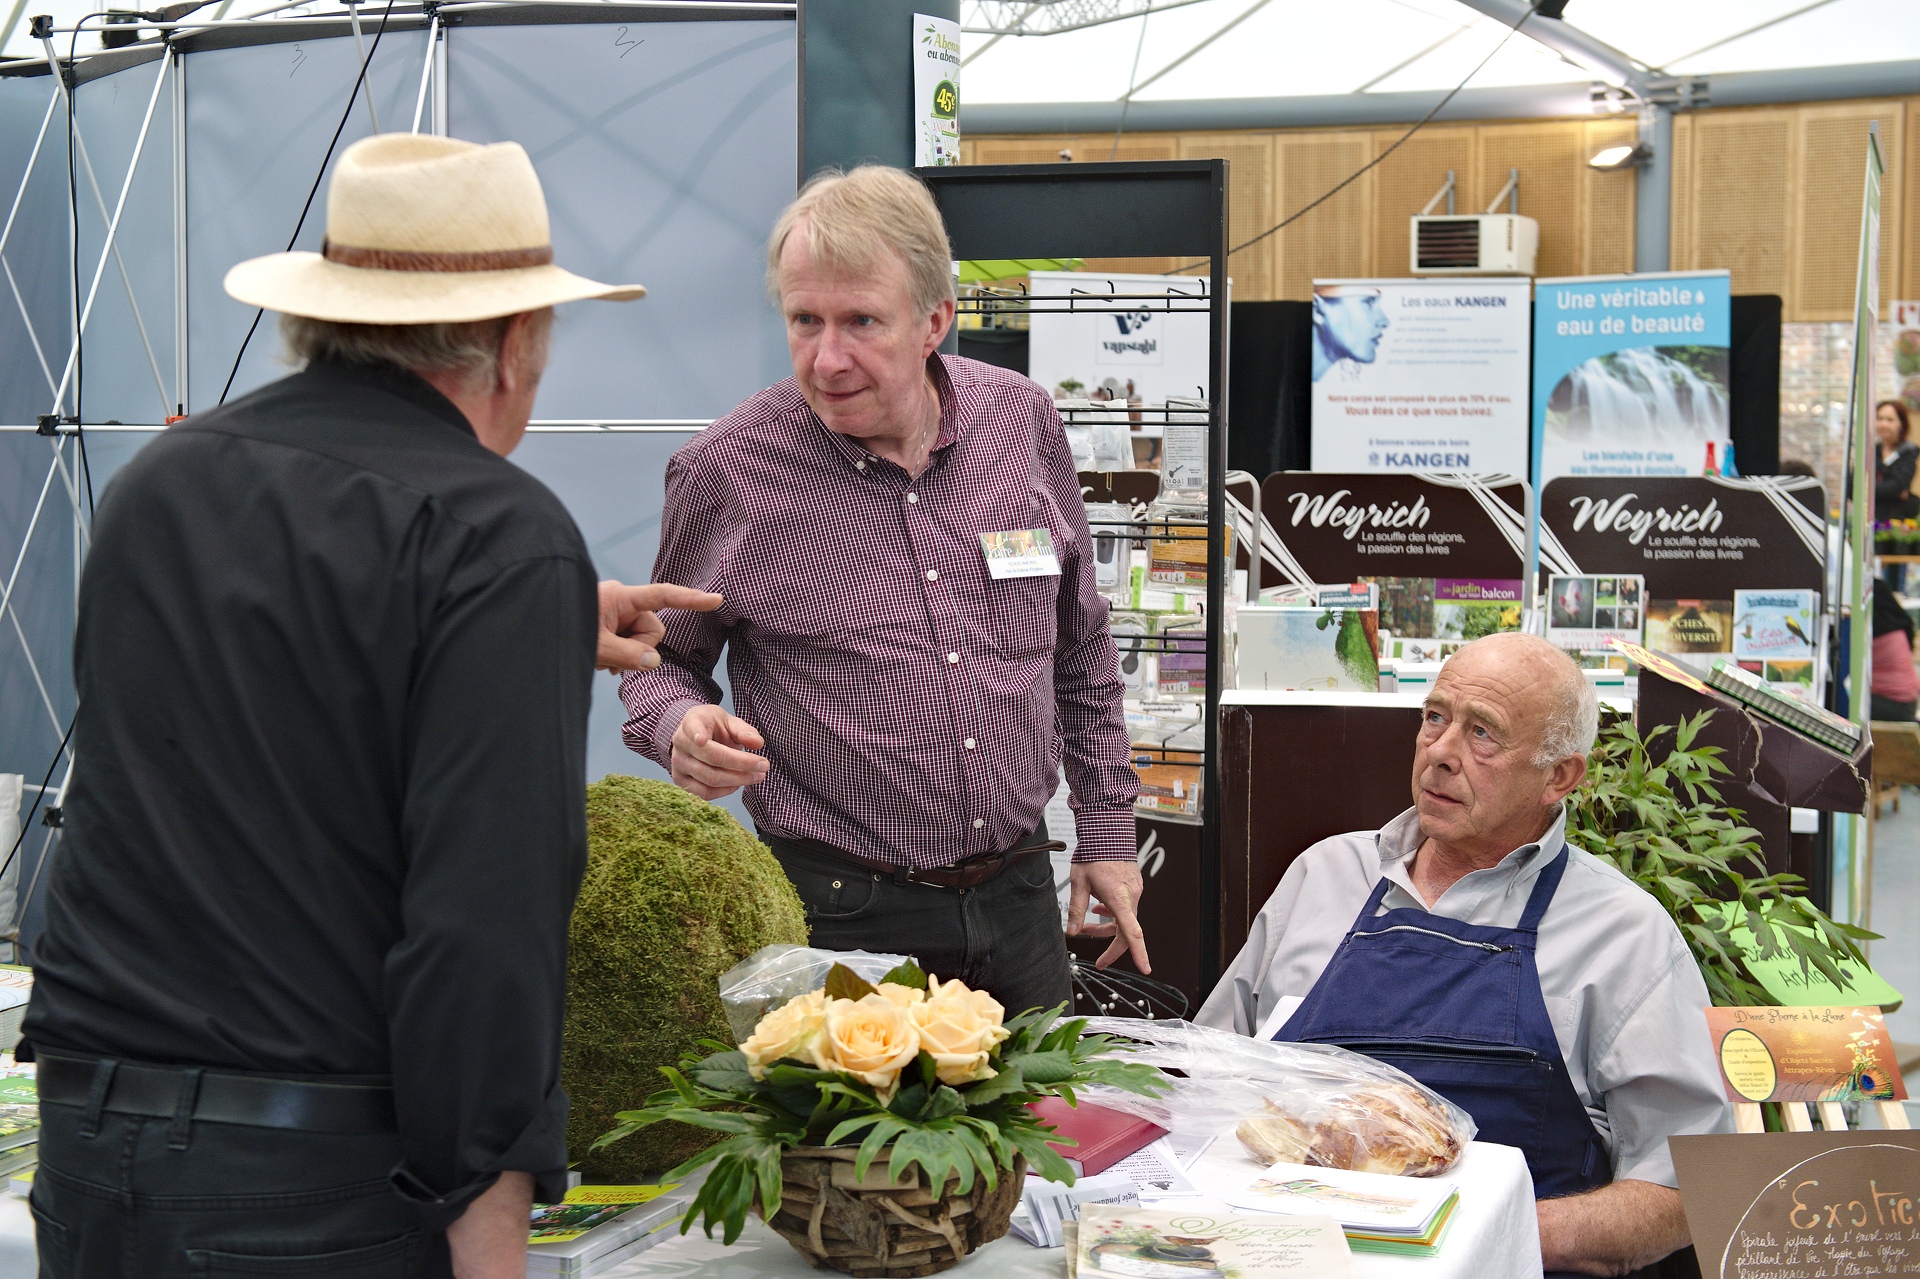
[1475, 244]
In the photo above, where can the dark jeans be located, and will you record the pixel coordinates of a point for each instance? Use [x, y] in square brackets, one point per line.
[124, 1204]
[1003, 937]
[1887, 708]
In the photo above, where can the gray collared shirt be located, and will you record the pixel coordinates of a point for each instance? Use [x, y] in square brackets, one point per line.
[1626, 1000]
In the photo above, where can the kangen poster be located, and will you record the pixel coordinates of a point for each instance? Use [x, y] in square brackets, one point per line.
[1630, 375]
[1420, 375]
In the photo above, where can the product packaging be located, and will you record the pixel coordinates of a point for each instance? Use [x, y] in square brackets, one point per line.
[1305, 1103]
[772, 975]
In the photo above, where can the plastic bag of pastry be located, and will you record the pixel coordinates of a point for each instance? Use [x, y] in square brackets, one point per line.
[772, 975]
[1297, 1103]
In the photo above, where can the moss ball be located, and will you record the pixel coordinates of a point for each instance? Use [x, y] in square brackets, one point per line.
[676, 892]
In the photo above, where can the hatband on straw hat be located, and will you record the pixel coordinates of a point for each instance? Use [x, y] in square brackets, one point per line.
[424, 230]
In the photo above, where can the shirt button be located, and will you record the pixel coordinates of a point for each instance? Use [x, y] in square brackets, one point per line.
[933, 575]
[969, 743]
[859, 466]
[953, 657]
[978, 822]
[913, 497]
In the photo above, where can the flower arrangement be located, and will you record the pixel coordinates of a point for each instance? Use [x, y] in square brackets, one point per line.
[928, 1070]
[1896, 537]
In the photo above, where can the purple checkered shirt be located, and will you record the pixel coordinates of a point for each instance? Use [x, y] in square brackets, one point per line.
[915, 709]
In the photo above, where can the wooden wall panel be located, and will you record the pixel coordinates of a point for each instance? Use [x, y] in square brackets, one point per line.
[1606, 201]
[1833, 157]
[1552, 175]
[1770, 194]
[1249, 158]
[1910, 207]
[1335, 240]
[1407, 179]
[1133, 146]
[1743, 206]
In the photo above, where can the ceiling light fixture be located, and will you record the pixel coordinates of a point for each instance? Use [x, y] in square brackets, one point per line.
[1622, 157]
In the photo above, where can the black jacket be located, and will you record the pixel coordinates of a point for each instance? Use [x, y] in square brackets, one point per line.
[1891, 482]
[328, 816]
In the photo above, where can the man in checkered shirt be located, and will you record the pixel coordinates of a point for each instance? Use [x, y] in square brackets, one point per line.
[909, 677]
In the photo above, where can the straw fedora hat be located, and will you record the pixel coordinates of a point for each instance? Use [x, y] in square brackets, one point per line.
[424, 230]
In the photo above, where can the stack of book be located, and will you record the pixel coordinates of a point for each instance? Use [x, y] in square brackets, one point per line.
[1757, 694]
[1143, 1243]
[598, 1227]
[19, 1124]
[1403, 1216]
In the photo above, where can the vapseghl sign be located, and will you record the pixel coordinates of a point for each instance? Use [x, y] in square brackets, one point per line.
[1338, 528]
[1630, 374]
[1696, 537]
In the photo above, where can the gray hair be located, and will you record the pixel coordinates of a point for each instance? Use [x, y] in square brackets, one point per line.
[1573, 721]
[469, 349]
[850, 216]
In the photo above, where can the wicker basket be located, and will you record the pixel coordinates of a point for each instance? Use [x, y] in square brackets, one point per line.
[883, 1227]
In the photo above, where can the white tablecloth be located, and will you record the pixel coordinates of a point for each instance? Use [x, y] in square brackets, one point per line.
[1494, 1234]
[17, 1260]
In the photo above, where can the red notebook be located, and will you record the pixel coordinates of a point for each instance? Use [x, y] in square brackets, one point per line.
[1105, 1136]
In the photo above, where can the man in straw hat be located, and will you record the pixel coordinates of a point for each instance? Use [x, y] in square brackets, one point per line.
[913, 632]
[298, 1000]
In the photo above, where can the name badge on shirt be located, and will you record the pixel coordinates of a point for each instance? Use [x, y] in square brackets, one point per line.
[1023, 552]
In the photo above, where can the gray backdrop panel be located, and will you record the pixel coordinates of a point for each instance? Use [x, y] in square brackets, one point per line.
[36, 253]
[119, 380]
[258, 121]
[667, 150]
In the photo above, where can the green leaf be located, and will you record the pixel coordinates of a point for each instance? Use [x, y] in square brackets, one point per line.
[908, 974]
[844, 983]
[1051, 1067]
[1007, 1083]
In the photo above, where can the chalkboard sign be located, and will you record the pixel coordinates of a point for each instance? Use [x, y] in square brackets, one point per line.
[1804, 1205]
[1693, 536]
[1336, 527]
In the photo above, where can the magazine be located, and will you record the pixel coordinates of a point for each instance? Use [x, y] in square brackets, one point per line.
[1146, 1243]
[1775, 626]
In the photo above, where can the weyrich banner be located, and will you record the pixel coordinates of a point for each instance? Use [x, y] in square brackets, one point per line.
[1630, 374]
[1688, 536]
[1340, 528]
[1420, 375]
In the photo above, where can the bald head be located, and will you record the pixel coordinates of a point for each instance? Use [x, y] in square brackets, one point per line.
[1566, 706]
[1503, 740]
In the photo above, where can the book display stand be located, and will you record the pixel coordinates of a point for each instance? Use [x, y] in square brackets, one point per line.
[1145, 209]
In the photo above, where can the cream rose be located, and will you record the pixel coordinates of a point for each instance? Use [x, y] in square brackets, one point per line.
[792, 1030]
[904, 996]
[958, 1027]
[870, 1039]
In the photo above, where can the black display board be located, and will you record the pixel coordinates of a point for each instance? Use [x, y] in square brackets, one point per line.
[1340, 527]
[1753, 371]
[1688, 536]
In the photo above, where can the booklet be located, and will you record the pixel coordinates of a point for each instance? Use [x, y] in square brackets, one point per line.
[1410, 1209]
[1138, 1243]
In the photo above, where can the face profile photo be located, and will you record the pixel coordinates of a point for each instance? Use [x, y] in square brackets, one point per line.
[1570, 602]
[1348, 322]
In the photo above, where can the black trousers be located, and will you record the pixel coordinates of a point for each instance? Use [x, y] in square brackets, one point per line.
[127, 1203]
[1003, 937]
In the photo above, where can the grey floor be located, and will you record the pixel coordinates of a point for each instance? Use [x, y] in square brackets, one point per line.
[1896, 908]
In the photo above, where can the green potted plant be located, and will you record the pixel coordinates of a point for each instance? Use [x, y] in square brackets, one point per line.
[881, 1129]
[1660, 820]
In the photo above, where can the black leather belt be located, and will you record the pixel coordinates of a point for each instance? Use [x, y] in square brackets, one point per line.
[974, 871]
[134, 1088]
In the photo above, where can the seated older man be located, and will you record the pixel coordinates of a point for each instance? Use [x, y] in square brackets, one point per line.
[1525, 979]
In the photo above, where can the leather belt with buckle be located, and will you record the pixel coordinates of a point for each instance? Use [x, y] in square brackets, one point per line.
[969, 873]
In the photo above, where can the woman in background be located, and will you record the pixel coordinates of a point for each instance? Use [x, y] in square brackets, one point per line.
[1893, 477]
[1896, 686]
[1893, 498]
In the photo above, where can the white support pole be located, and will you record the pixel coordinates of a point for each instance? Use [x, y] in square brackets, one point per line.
[32, 336]
[60, 74]
[45, 700]
[360, 51]
[440, 84]
[179, 231]
[33, 157]
[110, 248]
[426, 72]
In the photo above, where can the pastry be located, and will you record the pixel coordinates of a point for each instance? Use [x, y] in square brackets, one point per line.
[1382, 1127]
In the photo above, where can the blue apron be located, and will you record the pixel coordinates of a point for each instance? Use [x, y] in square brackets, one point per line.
[1459, 1008]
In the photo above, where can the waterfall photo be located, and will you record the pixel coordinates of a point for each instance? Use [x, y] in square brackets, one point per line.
[1675, 394]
